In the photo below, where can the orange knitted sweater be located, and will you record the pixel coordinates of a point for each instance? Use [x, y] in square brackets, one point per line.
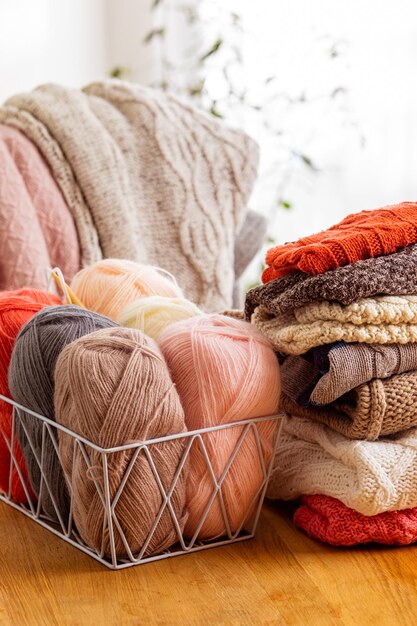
[359, 236]
[331, 521]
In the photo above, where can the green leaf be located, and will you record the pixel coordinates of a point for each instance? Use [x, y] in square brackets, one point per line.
[307, 161]
[215, 112]
[156, 32]
[284, 204]
[118, 72]
[214, 48]
[196, 90]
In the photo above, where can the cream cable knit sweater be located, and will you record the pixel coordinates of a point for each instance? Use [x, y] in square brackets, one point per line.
[377, 310]
[379, 320]
[147, 178]
[370, 477]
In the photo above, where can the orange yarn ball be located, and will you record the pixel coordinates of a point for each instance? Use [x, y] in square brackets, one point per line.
[224, 371]
[16, 308]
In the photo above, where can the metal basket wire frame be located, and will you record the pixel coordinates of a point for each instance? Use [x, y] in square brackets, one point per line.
[66, 529]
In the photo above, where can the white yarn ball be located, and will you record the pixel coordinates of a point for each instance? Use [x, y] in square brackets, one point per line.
[154, 313]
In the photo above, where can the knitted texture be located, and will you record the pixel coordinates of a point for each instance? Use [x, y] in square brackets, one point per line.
[372, 410]
[370, 477]
[31, 382]
[327, 372]
[130, 398]
[359, 236]
[377, 310]
[152, 315]
[237, 314]
[147, 177]
[395, 274]
[289, 336]
[212, 358]
[16, 308]
[36, 227]
[249, 241]
[331, 521]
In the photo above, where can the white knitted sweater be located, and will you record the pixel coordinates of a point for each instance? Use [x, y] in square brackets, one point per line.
[368, 476]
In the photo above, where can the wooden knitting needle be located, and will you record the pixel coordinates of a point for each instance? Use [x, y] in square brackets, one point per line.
[71, 297]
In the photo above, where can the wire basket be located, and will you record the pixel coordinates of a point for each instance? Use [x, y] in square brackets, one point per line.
[64, 526]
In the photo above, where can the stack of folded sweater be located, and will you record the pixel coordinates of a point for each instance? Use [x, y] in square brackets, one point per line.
[340, 308]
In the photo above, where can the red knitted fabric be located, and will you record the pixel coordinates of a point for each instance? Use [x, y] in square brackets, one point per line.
[358, 236]
[16, 308]
[331, 521]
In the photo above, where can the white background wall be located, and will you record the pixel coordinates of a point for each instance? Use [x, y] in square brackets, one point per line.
[75, 41]
[379, 72]
[51, 40]
[128, 23]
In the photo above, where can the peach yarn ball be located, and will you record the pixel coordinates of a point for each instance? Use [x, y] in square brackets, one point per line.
[108, 286]
[224, 371]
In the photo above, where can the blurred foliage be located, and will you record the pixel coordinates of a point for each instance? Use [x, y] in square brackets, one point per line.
[191, 76]
[212, 55]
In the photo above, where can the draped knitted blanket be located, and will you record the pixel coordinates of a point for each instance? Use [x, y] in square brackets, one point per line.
[368, 476]
[372, 410]
[394, 274]
[359, 236]
[332, 522]
[327, 372]
[36, 228]
[146, 177]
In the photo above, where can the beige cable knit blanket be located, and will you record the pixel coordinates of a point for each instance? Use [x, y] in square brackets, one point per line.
[146, 177]
[378, 320]
[368, 476]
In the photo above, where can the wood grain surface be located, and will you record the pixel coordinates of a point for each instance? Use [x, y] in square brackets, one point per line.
[281, 577]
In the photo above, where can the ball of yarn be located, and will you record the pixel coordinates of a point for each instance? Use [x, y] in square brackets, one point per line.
[224, 371]
[16, 308]
[153, 314]
[108, 286]
[130, 398]
[31, 381]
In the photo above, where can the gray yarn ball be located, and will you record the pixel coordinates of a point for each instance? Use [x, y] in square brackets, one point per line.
[31, 383]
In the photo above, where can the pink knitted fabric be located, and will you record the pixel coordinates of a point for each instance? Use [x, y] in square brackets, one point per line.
[331, 521]
[36, 227]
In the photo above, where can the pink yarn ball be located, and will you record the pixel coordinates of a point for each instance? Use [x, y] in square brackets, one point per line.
[224, 371]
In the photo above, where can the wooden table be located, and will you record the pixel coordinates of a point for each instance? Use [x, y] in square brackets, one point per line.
[282, 577]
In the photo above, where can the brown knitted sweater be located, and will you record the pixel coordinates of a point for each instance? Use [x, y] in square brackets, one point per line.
[372, 410]
[326, 373]
[393, 274]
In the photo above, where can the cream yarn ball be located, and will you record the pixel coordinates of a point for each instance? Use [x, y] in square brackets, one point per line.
[154, 313]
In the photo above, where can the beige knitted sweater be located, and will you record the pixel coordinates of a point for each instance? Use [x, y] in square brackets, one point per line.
[370, 477]
[146, 177]
[378, 320]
